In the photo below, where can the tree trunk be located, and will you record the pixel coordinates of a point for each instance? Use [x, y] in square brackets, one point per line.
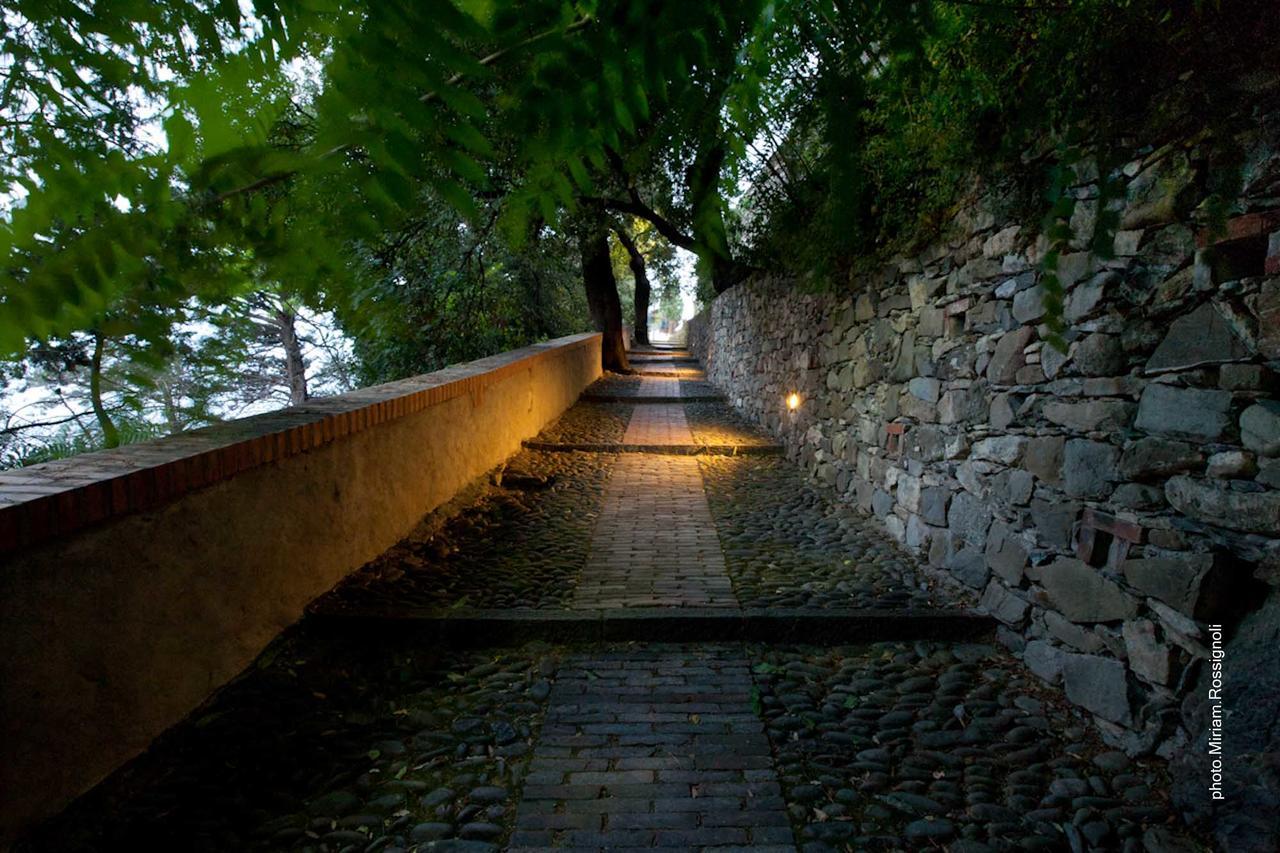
[704, 182]
[295, 367]
[726, 272]
[110, 435]
[172, 418]
[643, 290]
[602, 294]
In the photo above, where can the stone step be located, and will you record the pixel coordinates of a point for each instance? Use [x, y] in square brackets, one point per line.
[659, 624]
[673, 449]
[673, 374]
[638, 398]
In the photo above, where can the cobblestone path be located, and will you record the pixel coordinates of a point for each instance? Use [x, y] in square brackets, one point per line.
[349, 739]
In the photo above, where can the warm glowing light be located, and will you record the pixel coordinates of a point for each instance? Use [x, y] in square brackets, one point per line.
[793, 401]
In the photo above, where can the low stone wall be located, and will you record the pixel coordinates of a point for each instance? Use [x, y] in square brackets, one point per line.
[137, 581]
[1109, 502]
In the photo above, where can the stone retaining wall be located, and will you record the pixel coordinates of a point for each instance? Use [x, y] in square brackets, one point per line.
[1109, 502]
[137, 581]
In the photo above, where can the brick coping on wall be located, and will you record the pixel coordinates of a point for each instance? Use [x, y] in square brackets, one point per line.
[56, 498]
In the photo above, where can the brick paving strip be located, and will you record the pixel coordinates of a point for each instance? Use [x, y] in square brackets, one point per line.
[658, 386]
[658, 425]
[663, 384]
[655, 543]
[673, 393]
[681, 370]
[652, 747]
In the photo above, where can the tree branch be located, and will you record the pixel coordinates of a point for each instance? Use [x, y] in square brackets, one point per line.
[661, 224]
[269, 180]
[500, 53]
[74, 416]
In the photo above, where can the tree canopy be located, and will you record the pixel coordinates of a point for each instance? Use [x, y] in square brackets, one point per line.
[443, 176]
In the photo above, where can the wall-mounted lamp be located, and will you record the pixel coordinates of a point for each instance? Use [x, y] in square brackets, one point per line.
[793, 401]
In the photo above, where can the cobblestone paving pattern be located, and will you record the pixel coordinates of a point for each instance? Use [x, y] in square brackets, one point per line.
[787, 545]
[636, 385]
[329, 745]
[652, 746]
[516, 547]
[655, 544]
[326, 748]
[900, 746]
[589, 423]
[716, 423]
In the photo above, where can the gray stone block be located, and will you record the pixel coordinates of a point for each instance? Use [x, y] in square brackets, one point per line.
[969, 567]
[1008, 358]
[1232, 465]
[925, 388]
[1002, 412]
[1044, 659]
[1014, 486]
[1028, 305]
[1006, 449]
[1084, 299]
[1246, 377]
[1149, 658]
[1194, 584]
[1158, 458]
[1193, 412]
[1066, 631]
[1003, 605]
[1216, 503]
[1260, 427]
[1088, 468]
[1099, 685]
[1090, 415]
[1202, 337]
[969, 519]
[962, 406]
[1080, 593]
[933, 505]
[1138, 496]
[1043, 458]
[1099, 355]
[1005, 553]
[1053, 520]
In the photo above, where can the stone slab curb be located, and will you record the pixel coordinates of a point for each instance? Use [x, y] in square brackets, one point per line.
[669, 449]
[668, 374]
[636, 398]
[664, 361]
[668, 624]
